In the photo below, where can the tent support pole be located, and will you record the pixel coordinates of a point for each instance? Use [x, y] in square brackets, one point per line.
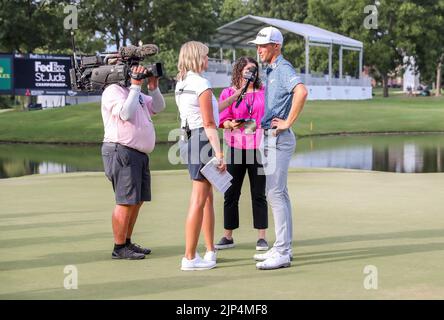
[340, 62]
[307, 57]
[330, 58]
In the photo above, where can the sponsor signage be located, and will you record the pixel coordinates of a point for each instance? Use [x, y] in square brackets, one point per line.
[6, 74]
[43, 74]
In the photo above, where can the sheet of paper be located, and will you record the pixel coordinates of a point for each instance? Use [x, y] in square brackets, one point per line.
[220, 180]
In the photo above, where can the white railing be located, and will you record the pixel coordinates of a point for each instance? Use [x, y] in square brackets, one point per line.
[316, 79]
[326, 81]
[219, 66]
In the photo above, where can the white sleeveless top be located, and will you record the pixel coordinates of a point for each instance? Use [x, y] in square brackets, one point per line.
[187, 100]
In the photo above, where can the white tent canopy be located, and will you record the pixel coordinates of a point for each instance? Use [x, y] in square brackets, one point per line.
[237, 33]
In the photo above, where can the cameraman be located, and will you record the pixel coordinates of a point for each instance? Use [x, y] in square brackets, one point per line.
[129, 137]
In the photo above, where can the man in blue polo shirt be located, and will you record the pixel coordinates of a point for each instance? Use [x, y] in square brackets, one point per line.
[284, 99]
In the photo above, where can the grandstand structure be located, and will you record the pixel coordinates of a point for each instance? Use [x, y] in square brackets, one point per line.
[235, 35]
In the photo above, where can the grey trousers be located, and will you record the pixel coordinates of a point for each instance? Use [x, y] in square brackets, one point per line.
[277, 153]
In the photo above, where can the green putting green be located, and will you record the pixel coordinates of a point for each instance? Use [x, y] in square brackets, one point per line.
[344, 220]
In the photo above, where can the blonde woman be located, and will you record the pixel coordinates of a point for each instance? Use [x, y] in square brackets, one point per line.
[199, 113]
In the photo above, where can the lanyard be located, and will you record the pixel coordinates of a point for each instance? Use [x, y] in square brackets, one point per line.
[250, 106]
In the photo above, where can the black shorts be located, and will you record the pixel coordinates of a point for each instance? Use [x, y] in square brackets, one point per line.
[128, 170]
[199, 152]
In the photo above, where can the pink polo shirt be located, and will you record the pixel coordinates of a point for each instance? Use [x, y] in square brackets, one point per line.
[137, 133]
[237, 138]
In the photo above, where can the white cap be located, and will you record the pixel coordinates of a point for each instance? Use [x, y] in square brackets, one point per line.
[268, 35]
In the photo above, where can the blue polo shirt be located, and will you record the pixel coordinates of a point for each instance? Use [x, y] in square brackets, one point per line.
[281, 80]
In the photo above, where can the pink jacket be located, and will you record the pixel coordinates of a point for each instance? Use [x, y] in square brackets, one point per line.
[237, 138]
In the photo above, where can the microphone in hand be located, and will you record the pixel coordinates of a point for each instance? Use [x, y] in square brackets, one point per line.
[249, 76]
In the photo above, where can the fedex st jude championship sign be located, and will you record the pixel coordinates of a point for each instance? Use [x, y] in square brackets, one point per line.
[37, 74]
[50, 74]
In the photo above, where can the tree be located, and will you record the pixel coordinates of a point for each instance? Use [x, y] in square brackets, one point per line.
[196, 20]
[233, 9]
[166, 23]
[22, 24]
[382, 42]
[292, 10]
[118, 22]
[37, 26]
[425, 38]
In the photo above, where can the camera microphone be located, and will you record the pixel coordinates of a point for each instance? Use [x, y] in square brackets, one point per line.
[138, 52]
[94, 75]
[250, 76]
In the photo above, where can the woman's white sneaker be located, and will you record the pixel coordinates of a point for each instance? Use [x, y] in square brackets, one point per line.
[210, 256]
[197, 264]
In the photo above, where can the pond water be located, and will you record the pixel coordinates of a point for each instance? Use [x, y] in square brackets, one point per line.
[392, 153]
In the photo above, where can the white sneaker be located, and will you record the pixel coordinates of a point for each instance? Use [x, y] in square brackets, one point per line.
[264, 256]
[196, 264]
[210, 256]
[268, 254]
[276, 261]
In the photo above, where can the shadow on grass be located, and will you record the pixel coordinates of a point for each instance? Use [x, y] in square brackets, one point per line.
[161, 252]
[57, 259]
[15, 227]
[20, 242]
[415, 234]
[179, 280]
[77, 258]
[21, 215]
[119, 289]
[323, 257]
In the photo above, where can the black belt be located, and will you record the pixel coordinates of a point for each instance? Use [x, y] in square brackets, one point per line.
[116, 145]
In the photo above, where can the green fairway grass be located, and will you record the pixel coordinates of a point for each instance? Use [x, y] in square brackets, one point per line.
[83, 123]
[344, 220]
